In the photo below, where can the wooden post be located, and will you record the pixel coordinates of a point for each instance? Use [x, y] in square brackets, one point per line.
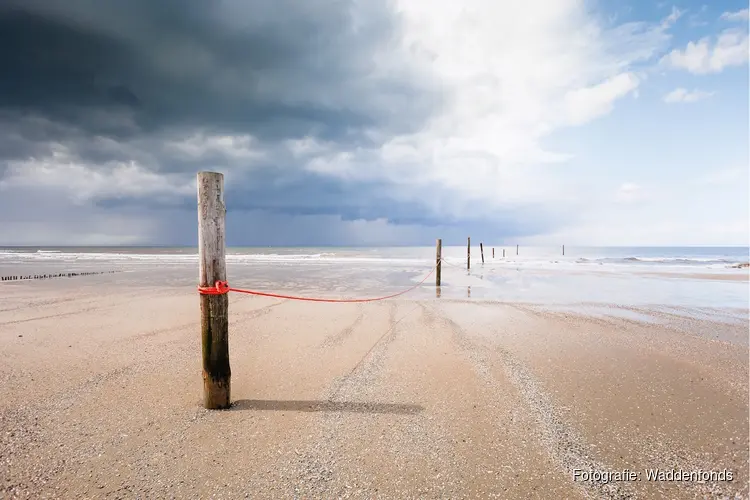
[493, 252]
[481, 251]
[214, 308]
[468, 253]
[438, 260]
[563, 249]
[516, 249]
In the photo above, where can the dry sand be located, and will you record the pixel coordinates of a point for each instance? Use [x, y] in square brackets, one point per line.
[397, 399]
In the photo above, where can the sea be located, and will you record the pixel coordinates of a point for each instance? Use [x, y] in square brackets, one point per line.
[694, 277]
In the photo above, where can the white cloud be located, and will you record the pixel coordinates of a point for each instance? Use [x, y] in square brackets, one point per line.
[236, 147]
[586, 104]
[674, 213]
[510, 81]
[84, 183]
[729, 49]
[740, 15]
[683, 208]
[672, 17]
[684, 95]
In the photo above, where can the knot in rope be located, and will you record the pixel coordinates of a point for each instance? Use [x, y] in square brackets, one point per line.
[221, 288]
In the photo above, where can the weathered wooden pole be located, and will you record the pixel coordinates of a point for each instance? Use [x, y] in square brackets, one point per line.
[214, 308]
[516, 249]
[468, 253]
[481, 251]
[493, 252]
[438, 260]
[563, 249]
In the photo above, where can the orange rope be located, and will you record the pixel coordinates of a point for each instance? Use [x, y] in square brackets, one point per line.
[452, 265]
[222, 287]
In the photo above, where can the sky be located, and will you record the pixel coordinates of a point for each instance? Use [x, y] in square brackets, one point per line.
[372, 122]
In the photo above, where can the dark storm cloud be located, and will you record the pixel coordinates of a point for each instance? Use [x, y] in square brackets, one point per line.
[308, 194]
[116, 82]
[275, 69]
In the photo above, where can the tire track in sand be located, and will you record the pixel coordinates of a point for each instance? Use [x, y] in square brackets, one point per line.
[339, 337]
[52, 316]
[673, 458]
[316, 467]
[563, 444]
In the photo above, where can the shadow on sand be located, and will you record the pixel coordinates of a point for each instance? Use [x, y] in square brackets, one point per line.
[327, 406]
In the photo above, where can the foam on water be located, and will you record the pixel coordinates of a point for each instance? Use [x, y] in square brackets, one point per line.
[583, 257]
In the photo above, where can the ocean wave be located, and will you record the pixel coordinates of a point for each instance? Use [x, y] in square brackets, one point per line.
[366, 257]
[324, 257]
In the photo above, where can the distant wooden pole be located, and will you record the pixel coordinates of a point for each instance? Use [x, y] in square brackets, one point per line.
[493, 252]
[468, 253]
[438, 260]
[563, 249]
[481, 251]
[214, 308]
[516, 249]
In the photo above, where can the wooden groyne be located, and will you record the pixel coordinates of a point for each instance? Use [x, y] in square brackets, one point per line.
[49, 276]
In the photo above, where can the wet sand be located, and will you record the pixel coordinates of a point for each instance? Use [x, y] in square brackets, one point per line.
[730, 276]
[428, 398]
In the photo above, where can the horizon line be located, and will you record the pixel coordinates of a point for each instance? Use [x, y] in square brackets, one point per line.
[382, 246]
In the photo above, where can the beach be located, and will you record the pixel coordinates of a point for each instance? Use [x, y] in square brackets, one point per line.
[479, 391]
